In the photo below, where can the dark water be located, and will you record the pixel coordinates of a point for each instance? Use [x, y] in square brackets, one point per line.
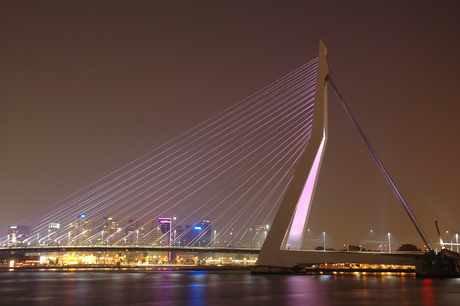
[221, 288]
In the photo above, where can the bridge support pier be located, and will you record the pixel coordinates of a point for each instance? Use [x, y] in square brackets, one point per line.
[445, 264]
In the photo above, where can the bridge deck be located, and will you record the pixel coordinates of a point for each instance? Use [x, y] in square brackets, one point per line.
[50, 249]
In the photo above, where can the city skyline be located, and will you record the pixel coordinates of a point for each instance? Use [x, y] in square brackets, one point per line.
[162, 231]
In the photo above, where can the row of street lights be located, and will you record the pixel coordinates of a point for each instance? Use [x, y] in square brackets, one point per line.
[451, 243]
[389, 240]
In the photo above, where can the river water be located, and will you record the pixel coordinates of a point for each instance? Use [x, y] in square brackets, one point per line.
[201, 288]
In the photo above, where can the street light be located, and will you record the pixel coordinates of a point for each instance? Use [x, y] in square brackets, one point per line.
[324, 241]
[456, 241]
[389, 242]
[447, 232]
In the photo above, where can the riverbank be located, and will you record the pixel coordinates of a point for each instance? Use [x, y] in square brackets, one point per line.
[128, 268]
[87, 268]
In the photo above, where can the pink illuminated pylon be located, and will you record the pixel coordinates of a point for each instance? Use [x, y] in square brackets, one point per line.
[288, 228]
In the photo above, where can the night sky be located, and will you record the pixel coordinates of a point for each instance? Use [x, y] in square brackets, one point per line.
[88, 86]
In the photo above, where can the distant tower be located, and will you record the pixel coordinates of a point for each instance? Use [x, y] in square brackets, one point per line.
[164, 224]
[17, 234]
[206, 232]
[53, 231]
[79, 230]
[134, 233]
[198, 234]
[108, 230]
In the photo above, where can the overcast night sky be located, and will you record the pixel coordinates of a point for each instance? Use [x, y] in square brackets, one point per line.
[88, 86]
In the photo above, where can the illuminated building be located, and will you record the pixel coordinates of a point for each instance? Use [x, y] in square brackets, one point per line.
[164, 224]
[177, 235]
[108, 231]
[53, 231]
[17, 234]
[198, 234]
[134, 233]
[79, 230]
[161, 233]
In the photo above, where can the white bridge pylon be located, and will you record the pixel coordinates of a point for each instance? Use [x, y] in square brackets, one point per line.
[283, 246]
[288, 228]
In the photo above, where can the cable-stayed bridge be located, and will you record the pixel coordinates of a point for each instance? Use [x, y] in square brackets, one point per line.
[231, 170]
[241, 180]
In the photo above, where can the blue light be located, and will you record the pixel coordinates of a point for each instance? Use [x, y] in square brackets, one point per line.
[81, 216]
[197, 228]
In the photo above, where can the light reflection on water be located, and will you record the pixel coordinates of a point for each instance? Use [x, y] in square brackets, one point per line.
[203, 288]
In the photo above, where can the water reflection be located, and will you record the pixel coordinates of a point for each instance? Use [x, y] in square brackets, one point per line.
[195, 288]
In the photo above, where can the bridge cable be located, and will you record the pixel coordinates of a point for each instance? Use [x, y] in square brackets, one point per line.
[395, 190]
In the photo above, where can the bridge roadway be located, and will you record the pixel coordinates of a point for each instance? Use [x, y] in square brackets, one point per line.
[102, 248]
